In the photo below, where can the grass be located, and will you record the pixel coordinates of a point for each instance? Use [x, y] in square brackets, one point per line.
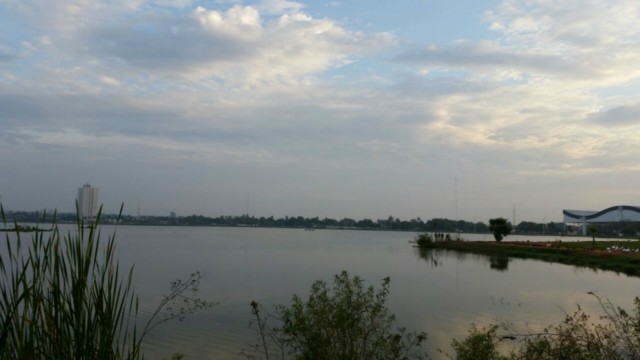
[581, 254]
[64, 296]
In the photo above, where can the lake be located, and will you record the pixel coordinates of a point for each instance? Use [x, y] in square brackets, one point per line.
[440, 292]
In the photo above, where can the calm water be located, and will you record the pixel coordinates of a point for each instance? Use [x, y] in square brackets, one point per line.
[442, 293]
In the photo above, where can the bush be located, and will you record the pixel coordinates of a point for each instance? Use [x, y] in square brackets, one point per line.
[615, 336]
[347, 321]
[481, 344]
[424, 240]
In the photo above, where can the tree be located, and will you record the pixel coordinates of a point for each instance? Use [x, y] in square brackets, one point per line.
[500, 228]
[593, 230]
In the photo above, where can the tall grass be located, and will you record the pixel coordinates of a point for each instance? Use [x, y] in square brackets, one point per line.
[64, 296]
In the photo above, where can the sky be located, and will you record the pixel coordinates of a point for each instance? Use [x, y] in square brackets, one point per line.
[356, 108]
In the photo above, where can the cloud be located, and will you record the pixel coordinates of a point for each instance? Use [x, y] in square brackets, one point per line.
[280, 6]
[486, 55]
[236, 45]
[623, 115]
[594, 35]
[158, 148]
[219, 85]
[587, 23]
[176, 45]
[591, 42]
[86, 112]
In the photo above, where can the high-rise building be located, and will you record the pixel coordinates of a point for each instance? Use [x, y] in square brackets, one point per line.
[88, 201]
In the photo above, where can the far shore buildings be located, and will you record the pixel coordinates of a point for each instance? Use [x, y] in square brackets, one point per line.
[613, 214]
[88, 201]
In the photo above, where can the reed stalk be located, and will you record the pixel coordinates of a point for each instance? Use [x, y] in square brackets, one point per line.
[64, 296]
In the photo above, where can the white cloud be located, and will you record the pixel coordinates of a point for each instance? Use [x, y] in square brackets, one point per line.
[241, 23]
[548, 73]
[592, 42]
[109, 80]
[601, 36]
[271, 85]
[280, 6]
[236, 46]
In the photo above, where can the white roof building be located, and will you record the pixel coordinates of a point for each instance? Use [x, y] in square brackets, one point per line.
[617, 213]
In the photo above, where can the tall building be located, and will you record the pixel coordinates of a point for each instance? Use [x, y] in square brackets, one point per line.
[88, 201]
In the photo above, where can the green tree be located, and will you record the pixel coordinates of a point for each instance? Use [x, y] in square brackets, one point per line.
[593, 230]
[500, 228]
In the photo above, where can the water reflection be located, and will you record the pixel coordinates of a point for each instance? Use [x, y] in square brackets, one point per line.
[430, 256]
[500, 263]
[435, 257]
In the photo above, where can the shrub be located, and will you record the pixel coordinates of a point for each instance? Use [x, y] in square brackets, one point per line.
[424, 240]
[347, 321]
[615, 336]
[481, 344]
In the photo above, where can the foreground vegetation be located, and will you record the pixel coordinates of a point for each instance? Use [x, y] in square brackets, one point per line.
[65, 297]
[349, 321]
[614, 335]
[345, 321]
[618, 256]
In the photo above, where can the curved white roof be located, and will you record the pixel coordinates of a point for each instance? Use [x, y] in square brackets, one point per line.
[610, 214]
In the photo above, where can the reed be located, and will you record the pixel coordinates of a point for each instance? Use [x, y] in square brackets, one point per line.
[64, 296]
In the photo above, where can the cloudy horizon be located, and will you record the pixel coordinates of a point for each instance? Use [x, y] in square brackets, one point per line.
[332, 109]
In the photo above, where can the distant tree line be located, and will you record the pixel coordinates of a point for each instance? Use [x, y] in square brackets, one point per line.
[391, 223]
[628, 229]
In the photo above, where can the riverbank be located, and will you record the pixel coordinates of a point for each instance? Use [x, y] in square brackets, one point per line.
[619, 256]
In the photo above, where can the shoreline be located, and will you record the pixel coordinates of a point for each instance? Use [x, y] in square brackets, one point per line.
[618, 256]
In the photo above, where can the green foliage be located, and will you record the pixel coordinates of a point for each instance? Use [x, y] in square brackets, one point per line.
[500, 228]
[347, 321]
[614, 336]
[424, 240]
[65, 297]
[593, 230]
[481, 344]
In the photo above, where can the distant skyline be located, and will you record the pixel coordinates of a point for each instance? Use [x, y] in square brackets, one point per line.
[360, 109]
